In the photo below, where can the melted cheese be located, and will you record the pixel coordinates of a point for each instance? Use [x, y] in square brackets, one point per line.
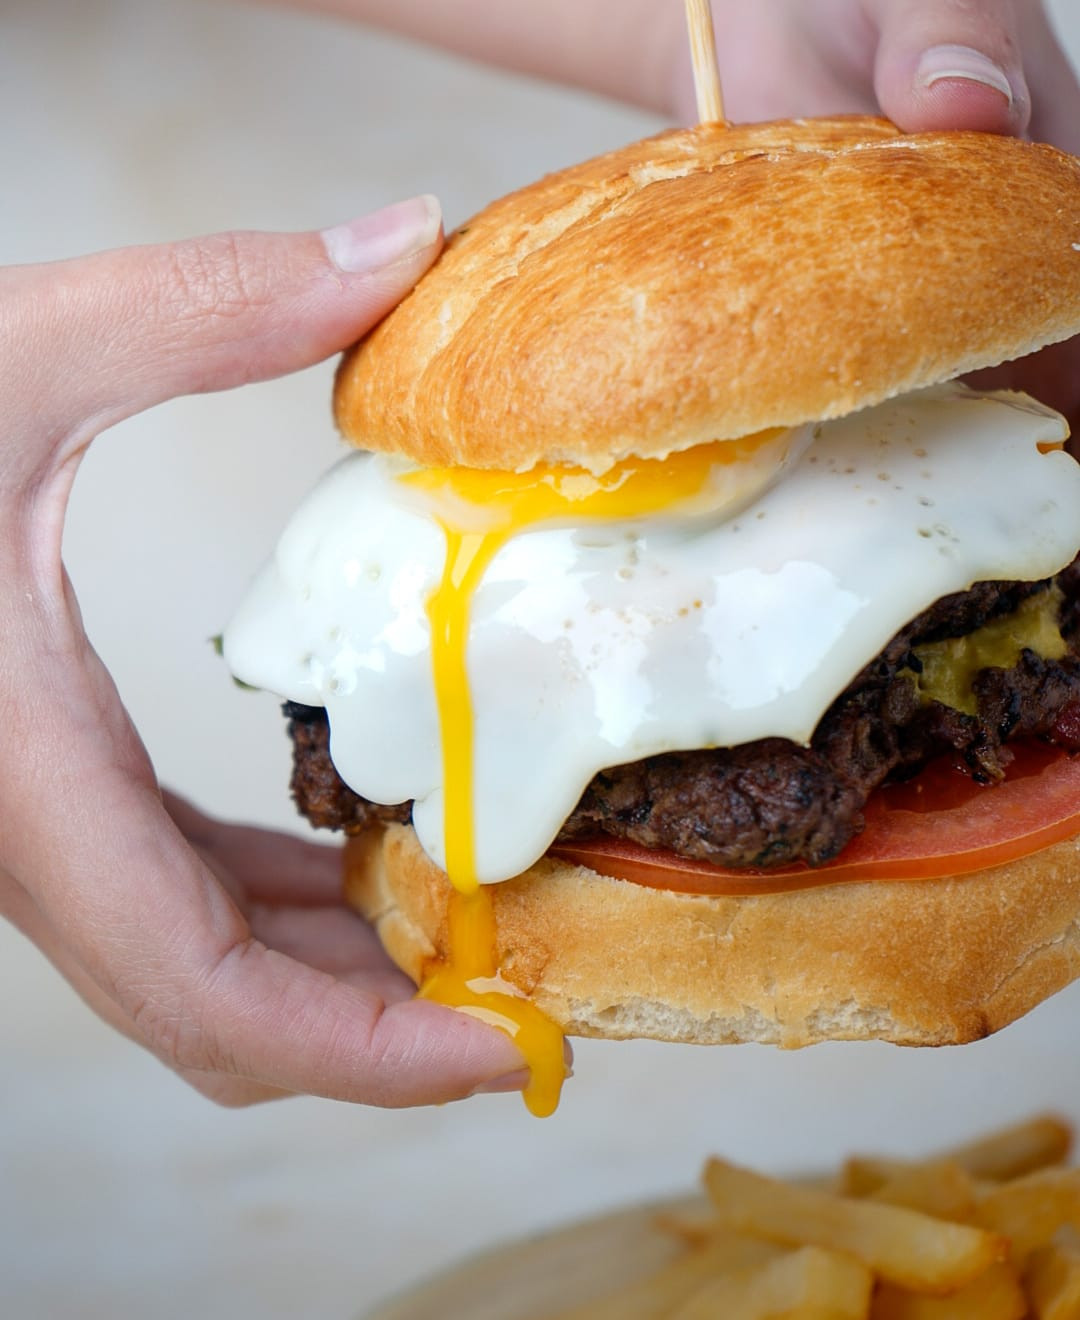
[948, 668]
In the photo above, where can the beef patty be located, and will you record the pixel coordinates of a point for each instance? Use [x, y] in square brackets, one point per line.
[772, 802]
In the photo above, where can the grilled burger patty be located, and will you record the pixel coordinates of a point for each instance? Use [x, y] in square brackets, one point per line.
[772, 801]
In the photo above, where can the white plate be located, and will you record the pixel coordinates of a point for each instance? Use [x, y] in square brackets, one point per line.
[536, 1278]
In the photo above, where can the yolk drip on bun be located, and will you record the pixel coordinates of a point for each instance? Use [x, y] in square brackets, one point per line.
[685, 652]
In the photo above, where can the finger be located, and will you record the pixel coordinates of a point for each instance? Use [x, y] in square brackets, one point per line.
[136, 907]
[950, 66]
[321, 933]
[22, 912]
[322, 947]
[231, 1092]
[291, 893]
[273, 867]
[334, 940]
[134, 327]
[778, 59]
[154, 929]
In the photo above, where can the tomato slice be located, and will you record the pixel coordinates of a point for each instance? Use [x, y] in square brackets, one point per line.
[940, 823]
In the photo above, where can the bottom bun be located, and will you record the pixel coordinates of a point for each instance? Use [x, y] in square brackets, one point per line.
[928, 962]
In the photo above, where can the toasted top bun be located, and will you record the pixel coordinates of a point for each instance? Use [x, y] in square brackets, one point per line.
[711, 282]
[935, 962]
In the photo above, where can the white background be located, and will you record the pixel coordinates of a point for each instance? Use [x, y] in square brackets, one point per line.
[121, 1193]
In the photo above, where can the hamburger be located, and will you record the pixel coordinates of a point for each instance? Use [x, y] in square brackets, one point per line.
[684, 650]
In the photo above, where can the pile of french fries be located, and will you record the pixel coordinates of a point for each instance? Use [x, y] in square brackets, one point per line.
[987, 1231]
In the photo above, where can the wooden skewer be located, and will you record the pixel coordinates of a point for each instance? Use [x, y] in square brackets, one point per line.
[710, 99]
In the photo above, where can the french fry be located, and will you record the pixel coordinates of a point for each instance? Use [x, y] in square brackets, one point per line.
[810, 1284]
[863, 1175]
[939, 1187]
[988, 1231]
[902, 1246]
[1009, 1153]
[1052, 1280]
[695, 1225]
[655, 1296]
[995, 1295]
[1029, 1211]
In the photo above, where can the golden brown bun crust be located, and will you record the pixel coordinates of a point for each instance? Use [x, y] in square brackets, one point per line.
[936, 962]
[710, 282]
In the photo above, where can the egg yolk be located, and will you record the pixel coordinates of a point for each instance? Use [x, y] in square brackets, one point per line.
[479, 511]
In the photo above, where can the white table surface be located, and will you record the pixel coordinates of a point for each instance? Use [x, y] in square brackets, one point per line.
[121, 1193]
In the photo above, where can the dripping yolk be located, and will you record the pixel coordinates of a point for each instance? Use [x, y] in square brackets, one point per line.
[469, 981]
[479, 511]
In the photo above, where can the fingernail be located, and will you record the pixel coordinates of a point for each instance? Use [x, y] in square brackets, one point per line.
[513, 1081]
[384, 237]
[942, 62]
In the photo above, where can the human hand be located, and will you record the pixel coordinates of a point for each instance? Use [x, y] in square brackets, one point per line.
[989, 65]
[985, 64]
[224, 950]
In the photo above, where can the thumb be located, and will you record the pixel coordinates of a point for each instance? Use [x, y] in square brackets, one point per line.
[950, 66]
[127, 329]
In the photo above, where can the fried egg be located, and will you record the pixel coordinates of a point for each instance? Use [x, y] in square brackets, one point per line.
[485, 642]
